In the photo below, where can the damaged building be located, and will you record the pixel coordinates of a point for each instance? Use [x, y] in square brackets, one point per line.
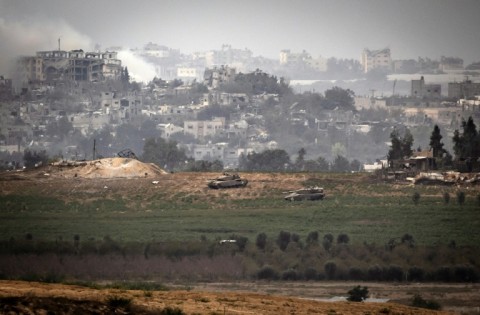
[49, 67]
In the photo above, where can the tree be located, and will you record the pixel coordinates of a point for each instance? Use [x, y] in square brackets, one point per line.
[466, 144]
[340, 164]
[34, 158]
[337, 97]
[401, 147]
[300, 161]
[268, 160]
[164, 153]
[261, 241]
[283, 239]
[322, 164]
[436, 143]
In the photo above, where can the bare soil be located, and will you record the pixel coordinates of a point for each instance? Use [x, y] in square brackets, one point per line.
[18, 297]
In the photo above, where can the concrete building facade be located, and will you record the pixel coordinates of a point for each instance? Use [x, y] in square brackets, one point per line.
[376, 59]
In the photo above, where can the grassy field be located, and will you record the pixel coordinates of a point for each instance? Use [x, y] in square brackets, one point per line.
[366, 211]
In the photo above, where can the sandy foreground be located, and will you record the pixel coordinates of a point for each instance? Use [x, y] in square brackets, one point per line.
[40, 298]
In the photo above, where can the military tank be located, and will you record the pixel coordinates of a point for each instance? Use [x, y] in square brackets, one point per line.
[227, 181]
[310, 193]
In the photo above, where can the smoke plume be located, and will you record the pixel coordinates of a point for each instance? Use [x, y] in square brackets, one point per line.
[24, 37]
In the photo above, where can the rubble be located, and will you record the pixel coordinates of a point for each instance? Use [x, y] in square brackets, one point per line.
[446, 178]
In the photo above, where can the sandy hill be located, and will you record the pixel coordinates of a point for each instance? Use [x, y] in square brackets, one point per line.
[109, 168]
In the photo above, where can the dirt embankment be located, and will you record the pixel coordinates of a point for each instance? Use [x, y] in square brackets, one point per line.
[36, 298]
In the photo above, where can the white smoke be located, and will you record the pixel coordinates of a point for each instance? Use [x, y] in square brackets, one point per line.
[138, 69]
[22, 37]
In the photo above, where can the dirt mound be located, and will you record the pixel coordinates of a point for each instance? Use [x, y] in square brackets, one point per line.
[112, 168]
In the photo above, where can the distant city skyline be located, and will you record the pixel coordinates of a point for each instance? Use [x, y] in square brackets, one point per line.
[328, 28]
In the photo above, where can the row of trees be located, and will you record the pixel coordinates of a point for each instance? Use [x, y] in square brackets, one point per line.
[466, 146]
[278, 160]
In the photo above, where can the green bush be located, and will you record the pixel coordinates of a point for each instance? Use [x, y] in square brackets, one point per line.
[283, 239]
[261, 241]
[343, 239]
[357, 294]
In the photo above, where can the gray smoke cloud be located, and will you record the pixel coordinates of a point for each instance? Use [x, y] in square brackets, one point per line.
[25, 37]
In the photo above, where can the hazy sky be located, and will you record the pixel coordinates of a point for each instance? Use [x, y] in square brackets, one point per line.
[339, 28]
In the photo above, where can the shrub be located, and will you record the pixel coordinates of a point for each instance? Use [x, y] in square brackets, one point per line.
[358, 294]
[267, 273]
[241, 241]
[418, 301]
[312, 237]
[408, 240]
[343, 239]
[295, 237]
[283, 239]
[327, 241]
[460, 197]
[416, 197]
[261, 241]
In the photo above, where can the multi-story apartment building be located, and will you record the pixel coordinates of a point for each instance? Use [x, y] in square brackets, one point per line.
[201, 129]
[303, 58]
[450, 63]
[465, 89]
[421, 90]
[75, 65]
[376, 59]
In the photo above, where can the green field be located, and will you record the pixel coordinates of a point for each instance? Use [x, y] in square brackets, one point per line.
[363, 218]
